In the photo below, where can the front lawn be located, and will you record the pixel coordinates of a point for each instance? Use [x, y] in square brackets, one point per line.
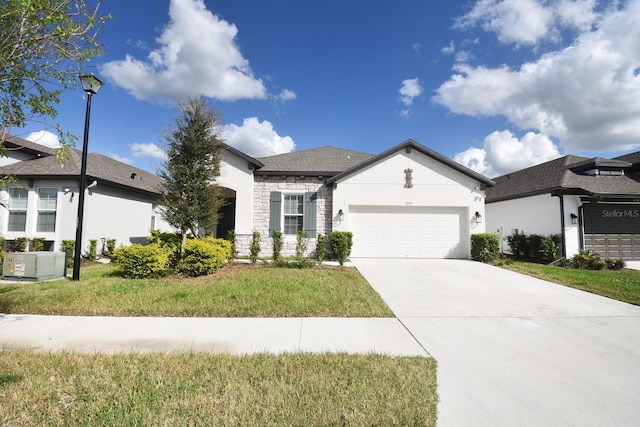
[198, 389]
[234, 291]
[622, 285]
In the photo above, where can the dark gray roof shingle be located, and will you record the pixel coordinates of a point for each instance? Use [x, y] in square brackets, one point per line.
[99, 167]
[563, 175]
[322, 161]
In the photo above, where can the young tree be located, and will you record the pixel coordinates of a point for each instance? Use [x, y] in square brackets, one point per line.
[42, 44]
[191, 200]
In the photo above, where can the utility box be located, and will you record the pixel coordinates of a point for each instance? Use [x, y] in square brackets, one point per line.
[34, 266]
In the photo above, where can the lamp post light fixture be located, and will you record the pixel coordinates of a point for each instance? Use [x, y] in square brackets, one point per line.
[91, 85]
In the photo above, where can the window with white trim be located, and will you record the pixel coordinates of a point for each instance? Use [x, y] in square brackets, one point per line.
[18, 198]
[47, 208]
[293, 213]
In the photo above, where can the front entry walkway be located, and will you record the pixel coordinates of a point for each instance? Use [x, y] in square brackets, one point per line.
[513, 350]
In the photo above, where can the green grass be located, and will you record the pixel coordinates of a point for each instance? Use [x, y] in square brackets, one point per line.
[623, 285]
[234, 291]
[73, 389]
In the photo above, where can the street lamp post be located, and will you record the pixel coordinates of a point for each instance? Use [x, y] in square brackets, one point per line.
[91, 85]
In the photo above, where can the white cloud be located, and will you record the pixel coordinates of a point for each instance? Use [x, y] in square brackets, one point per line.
[409, 90]
[287, 95]
[579, 14]
[464, 56]
[503, 152]
[256, 138]
[514, 21]
[527, 22]
[147, 150]
[587, 95]
[119, 158]
[417, 47]
[43, 137]
[449, 49]
[195, 46]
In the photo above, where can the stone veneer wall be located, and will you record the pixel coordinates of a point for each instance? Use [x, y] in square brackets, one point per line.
[262, 188]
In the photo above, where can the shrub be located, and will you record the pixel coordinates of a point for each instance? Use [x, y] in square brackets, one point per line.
[302, 242]
[20, 244]
[110, 246]
[37, 244]
[485, 247]
[535, 246]
[321, 247]
[277, 245]
[204, 256]
[586, 260]
[341, 242]
[231, 238]
[2, 247]
[550, 249]
[138, 261]
[68, 247]
[169, 241]
[614, 264]
[254, 247]
[93, 249]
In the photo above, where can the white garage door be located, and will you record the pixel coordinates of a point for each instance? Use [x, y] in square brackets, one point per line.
[408, 232]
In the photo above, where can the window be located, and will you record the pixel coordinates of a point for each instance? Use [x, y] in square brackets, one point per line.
[293, 213]
[17, 209]
[47, 206]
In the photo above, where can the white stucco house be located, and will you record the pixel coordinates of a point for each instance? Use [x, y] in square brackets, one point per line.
[120, 201]
[592, 203]
[406, 202]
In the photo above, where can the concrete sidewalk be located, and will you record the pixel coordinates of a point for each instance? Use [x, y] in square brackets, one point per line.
[216, 335]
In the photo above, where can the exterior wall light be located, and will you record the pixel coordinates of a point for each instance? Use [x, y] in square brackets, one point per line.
[340, 215]
[478, 217]
[574, 218]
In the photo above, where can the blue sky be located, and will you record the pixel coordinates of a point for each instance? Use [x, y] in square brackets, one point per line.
[496, 85]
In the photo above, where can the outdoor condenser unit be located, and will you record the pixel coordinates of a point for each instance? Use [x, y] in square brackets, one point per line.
[34, 266]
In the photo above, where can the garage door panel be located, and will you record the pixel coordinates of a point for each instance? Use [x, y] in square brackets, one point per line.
[612, 230]
[409, 232]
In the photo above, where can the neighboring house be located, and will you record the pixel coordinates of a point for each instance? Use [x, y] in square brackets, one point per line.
[406, 202]
[592, 203]
[120, 200]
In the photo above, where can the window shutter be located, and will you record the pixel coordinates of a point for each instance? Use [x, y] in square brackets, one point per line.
[309, 222]
[275, 211]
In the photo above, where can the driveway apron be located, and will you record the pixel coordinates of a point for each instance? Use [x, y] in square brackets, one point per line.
[513, 350]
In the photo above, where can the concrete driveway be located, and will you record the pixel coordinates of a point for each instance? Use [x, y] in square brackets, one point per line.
[514, 350]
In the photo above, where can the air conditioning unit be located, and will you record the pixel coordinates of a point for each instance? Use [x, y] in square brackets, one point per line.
[34, 266]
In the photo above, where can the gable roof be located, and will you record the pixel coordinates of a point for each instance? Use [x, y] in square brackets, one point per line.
[100, 168]
[255, 162]
[633, 158]
[322, 161]
[411, 144]
[13, 143]
[564, 176]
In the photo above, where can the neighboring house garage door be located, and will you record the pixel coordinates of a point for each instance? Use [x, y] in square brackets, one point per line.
[612, 231]
[408, 232]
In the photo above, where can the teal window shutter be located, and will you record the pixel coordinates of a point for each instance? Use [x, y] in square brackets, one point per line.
[275, 211]
[309, 224]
